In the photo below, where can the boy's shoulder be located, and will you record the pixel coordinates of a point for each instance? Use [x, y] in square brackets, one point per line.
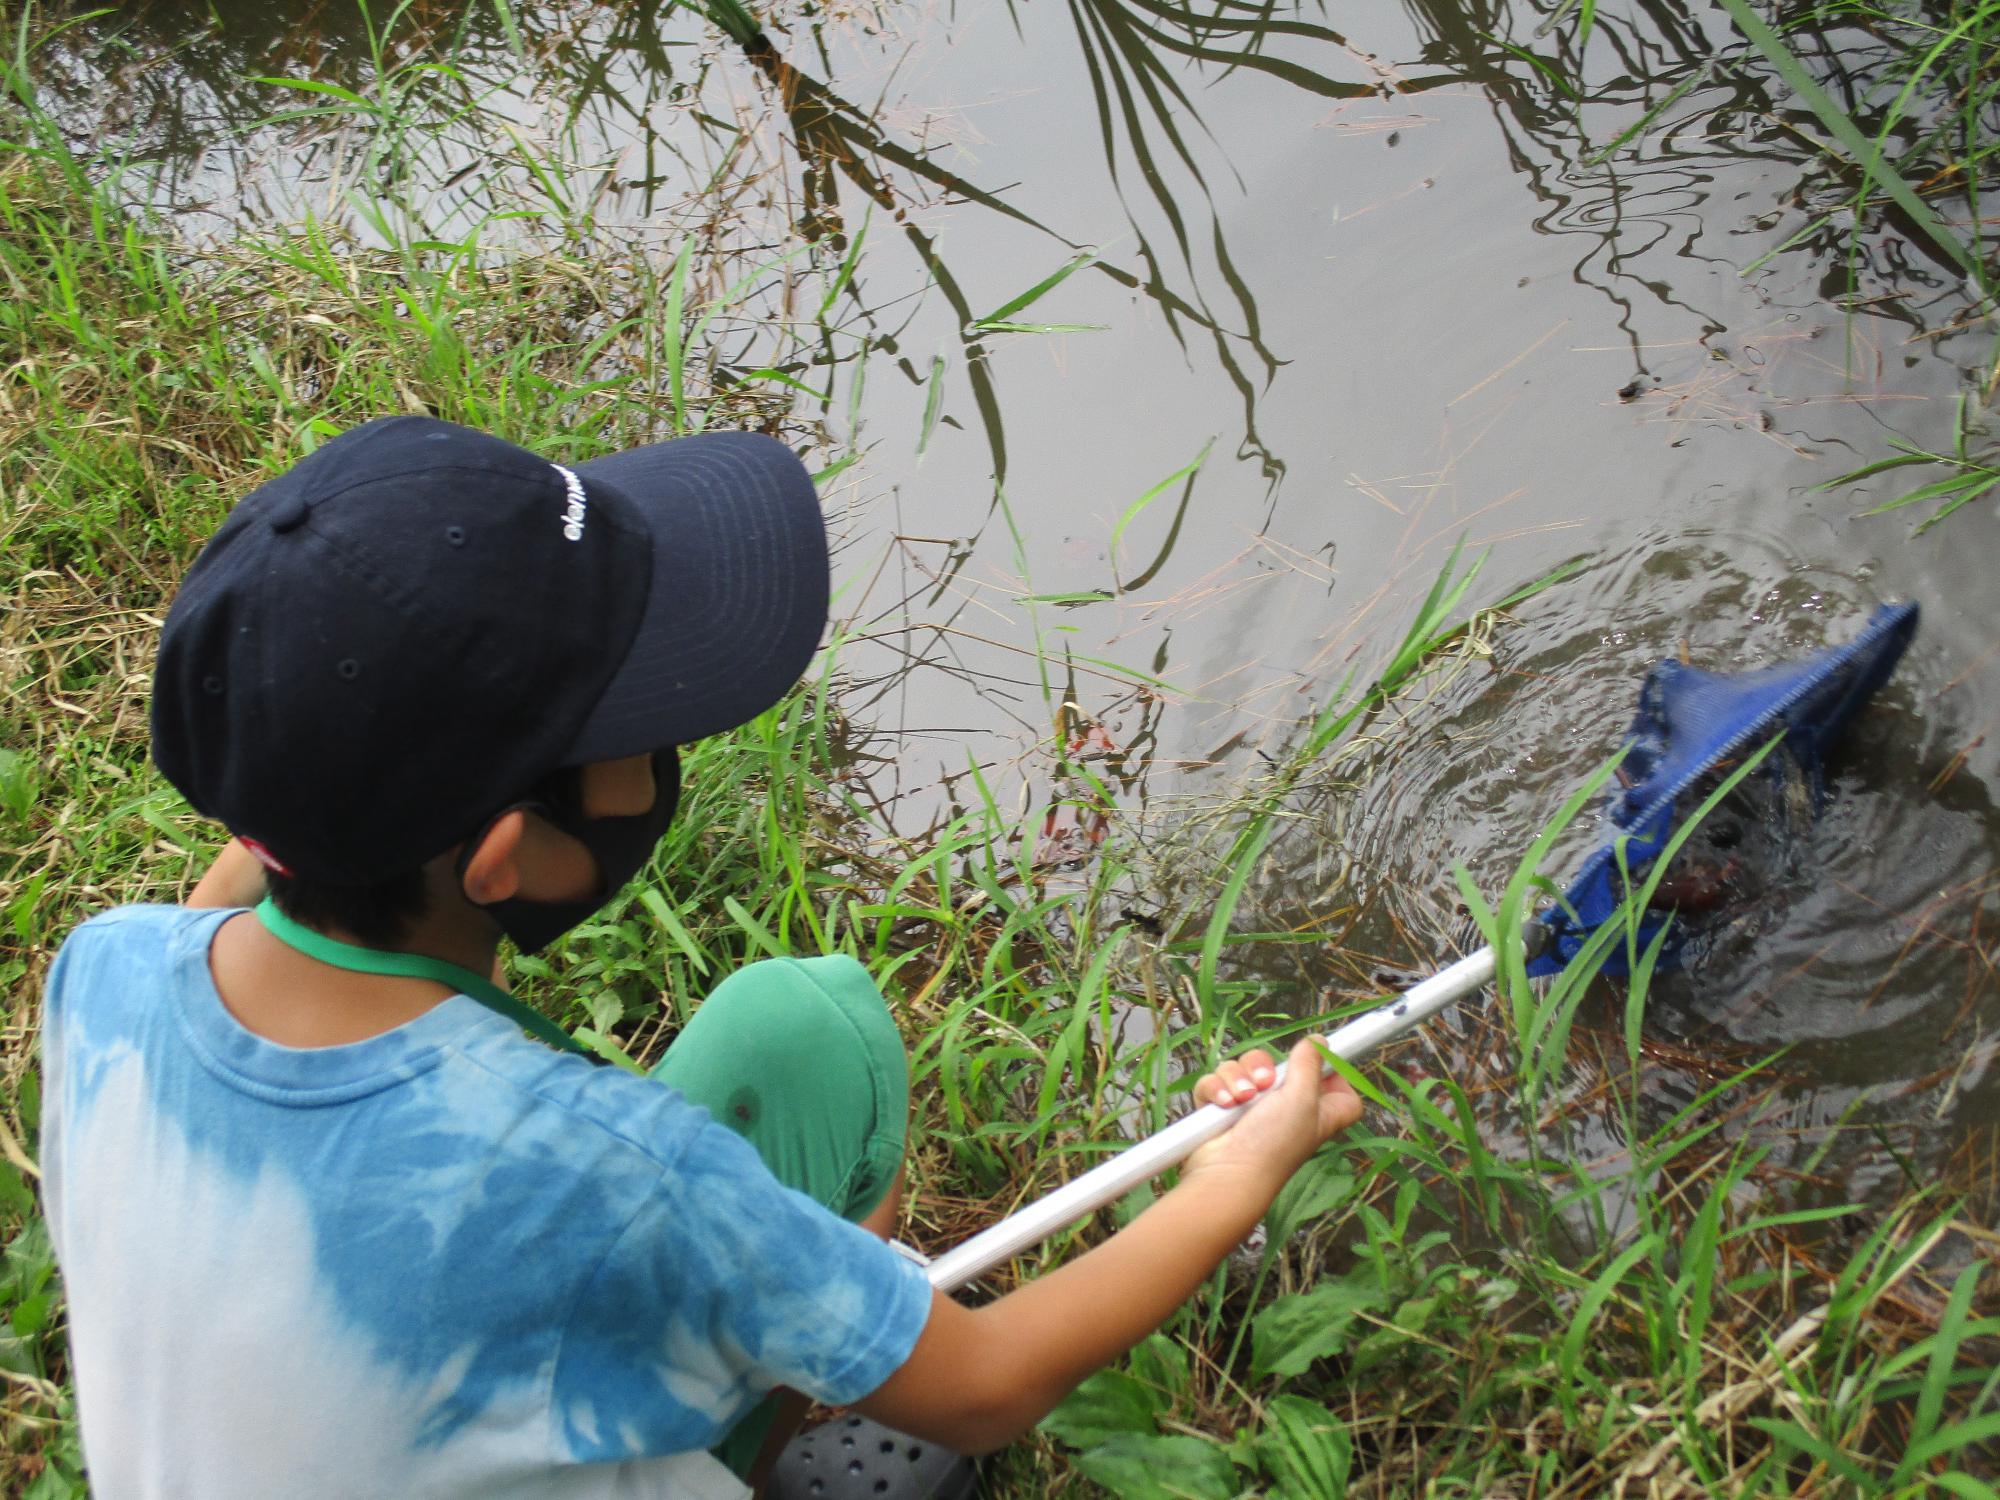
[152, 915]
[623, 1113]
[142, 928]
[115, 970]
[140, 935]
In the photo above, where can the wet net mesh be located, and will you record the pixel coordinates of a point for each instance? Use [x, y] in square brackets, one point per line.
[1693, 724]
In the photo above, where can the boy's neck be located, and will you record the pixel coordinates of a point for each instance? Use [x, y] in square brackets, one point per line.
[295, 1000]
[465, 937]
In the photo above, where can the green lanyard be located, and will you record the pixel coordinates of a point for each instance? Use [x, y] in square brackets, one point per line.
[413, 966]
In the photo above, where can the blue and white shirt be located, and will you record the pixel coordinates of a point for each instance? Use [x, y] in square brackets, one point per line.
[445, 1261]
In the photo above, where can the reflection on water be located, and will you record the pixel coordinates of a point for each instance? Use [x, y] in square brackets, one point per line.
[1362, 292]
[193, 93]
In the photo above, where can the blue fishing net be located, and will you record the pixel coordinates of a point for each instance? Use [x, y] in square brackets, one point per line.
[1693, 724]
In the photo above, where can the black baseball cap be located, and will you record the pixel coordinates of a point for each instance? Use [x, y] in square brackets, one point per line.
[401, 634]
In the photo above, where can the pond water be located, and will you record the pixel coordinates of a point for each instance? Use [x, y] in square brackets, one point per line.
[1361, 289]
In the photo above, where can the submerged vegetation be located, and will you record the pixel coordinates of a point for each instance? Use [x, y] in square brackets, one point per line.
[1545, 1265]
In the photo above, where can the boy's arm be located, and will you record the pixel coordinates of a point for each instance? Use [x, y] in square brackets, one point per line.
[979, 1377]
[235, 879]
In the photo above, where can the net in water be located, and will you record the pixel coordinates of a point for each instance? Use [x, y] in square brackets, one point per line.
[1692, 724]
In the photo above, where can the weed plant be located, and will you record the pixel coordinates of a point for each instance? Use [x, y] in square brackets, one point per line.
[1931, 154]
[1512, 1280]
[1907, 93]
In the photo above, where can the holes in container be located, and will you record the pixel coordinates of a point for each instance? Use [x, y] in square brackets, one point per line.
[854, 1421]
[916, 1452]
[455, 535]
[816, 1487]
[888, 1445]
[881, 1486]
[348, 668]
[847, 1440]
[211, 684]
[854, 1467]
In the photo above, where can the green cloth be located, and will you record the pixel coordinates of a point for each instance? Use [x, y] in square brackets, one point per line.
[801, 1058]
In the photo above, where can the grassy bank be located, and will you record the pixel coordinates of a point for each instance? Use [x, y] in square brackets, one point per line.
[1522, 1276]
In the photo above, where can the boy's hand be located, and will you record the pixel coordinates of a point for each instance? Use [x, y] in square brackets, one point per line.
[979, 1377]
[1274, 1142]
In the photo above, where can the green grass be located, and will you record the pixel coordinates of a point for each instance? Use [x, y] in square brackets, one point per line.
[1432, 1313]
[1971, 470]
[1901, 98]
[1964, 45]
[1931, 153]
[1522, 1277]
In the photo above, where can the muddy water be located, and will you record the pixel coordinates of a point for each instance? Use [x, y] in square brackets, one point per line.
[1369, 280]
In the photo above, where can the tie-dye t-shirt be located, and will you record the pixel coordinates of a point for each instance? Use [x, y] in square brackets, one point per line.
[445, 1261]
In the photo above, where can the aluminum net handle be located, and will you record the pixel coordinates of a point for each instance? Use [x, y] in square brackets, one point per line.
[1113, 1179]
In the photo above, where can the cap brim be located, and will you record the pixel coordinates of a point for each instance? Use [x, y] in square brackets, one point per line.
[739, 592]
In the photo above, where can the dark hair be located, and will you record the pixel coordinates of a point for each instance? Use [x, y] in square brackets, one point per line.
[379, 914]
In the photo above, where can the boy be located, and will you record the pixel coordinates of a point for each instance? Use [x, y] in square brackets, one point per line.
[330, 1224]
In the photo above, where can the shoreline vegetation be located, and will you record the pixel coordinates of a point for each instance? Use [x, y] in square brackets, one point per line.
[1919, 146]
[1471, 1294]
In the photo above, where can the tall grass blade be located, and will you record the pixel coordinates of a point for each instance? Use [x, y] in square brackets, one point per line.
[1137, 507]
[1867, 154]
[1006, 310]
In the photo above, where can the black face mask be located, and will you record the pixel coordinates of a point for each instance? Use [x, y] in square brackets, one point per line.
[621, 847]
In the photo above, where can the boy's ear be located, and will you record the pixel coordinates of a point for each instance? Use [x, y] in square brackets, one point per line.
[493, 873]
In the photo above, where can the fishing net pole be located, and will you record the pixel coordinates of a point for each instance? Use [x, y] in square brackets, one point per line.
[1692, 726]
